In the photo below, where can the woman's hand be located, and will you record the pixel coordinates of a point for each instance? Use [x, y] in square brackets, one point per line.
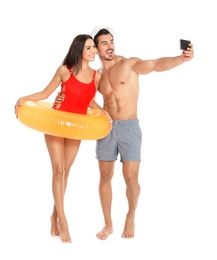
[109, 117]
[19, 103]
[59, 99]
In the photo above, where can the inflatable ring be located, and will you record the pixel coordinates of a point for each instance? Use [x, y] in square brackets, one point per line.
[40, 116]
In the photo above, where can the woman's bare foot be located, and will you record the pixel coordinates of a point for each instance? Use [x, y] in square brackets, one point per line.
[129, 229]
[104, 233]
[54, 226]
[64, 232]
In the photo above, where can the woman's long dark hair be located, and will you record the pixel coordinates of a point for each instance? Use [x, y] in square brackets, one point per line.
[73, 58]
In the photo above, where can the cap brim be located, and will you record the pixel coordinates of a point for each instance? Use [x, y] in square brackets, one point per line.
[97, 28]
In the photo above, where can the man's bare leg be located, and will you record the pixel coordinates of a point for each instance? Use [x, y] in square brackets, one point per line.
[131, 172]
[105, 193]
[129, 228]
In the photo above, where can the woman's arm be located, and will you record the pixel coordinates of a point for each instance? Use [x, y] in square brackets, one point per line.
[46, 92]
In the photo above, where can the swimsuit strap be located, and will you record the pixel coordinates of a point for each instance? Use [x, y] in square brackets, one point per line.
[94, 74]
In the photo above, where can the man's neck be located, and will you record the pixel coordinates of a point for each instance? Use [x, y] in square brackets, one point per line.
[107, 64]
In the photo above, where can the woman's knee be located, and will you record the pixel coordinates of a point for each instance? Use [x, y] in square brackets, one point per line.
[58, 171]
[67, 170]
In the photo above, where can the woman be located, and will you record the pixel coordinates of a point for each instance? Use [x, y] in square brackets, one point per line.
[79, 84]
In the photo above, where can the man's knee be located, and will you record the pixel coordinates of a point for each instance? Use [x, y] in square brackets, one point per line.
[106, 175]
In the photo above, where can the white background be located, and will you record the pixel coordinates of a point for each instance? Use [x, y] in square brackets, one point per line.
[176, 215]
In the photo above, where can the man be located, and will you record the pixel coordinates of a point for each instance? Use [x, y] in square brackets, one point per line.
[119, 86]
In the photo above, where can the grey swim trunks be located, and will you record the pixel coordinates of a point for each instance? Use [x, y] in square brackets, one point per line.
[125, 140]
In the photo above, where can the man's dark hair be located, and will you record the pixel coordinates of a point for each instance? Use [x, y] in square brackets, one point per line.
[101, 32]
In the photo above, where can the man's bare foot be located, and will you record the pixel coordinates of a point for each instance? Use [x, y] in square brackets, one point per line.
[104, 233]
[54, 226]
[129, 229]
[64, 232]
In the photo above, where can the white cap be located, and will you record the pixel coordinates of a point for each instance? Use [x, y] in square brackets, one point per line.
[98, 28]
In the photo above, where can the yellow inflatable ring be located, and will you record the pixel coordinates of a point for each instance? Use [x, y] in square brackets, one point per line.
[40, 116]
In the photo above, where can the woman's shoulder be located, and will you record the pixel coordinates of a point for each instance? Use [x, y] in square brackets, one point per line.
[98, 74]
[97, 78]
[63, 69]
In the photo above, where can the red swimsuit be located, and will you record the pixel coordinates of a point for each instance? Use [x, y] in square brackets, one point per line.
[77, 95]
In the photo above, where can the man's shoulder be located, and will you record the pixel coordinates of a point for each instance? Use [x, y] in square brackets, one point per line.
[130, 61]
[120, 58]
[127, 59]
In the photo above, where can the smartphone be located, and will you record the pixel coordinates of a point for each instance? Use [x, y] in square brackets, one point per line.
[184, 44]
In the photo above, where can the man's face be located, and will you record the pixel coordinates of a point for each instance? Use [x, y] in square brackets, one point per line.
[106, 47]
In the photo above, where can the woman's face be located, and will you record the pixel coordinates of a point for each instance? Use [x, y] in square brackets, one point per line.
[89, 50]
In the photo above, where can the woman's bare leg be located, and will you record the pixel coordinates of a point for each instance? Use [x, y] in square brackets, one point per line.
[62, 154]
[54, 223]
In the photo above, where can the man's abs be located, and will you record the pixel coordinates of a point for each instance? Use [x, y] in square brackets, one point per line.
[122, 112]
